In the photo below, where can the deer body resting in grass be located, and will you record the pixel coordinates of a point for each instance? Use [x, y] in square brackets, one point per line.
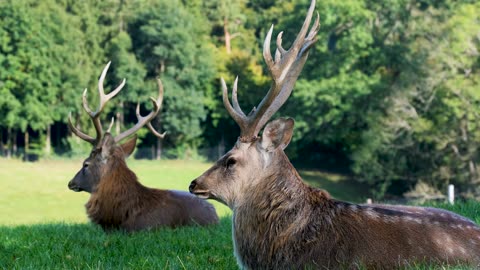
[118, 200]
[279, 222]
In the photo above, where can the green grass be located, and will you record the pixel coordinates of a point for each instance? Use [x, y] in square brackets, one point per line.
[83, 246]
[339, 186]
[37, 192]
[43, 225]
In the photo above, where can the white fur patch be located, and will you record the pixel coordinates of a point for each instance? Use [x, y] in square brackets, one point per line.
[371, 213]
[412, 219]
[266, 159]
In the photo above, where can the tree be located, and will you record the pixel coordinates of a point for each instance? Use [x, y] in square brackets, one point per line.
[163, 40]
[429, 133]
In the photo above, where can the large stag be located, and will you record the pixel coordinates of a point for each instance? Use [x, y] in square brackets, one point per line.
[118, 200]
[279, 222]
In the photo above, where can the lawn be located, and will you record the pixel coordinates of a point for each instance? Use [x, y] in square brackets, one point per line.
[37, 192]
[43, 225]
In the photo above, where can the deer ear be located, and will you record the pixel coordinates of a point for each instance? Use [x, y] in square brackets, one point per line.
[129, 146]
[277, 133]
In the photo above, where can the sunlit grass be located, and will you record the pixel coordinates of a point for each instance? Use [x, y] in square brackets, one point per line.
[37, 192]
[83, 246]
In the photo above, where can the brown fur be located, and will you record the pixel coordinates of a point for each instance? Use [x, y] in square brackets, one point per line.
[119, 201]
[279, 222]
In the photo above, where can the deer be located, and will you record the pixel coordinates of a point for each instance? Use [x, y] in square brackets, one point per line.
[280, 222]
[118, 200]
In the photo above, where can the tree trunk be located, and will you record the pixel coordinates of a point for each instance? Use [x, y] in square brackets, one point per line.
[227, 36]
[78, 127]
[9, 142]
[159, 148]
[48, 140]
[27, 138]
[14, 143]
[120, 118]
[221, 147]
[57, 135]
[2, 145]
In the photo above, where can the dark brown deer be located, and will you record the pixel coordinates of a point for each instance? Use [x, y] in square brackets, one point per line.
[279, 222]
[118, 200]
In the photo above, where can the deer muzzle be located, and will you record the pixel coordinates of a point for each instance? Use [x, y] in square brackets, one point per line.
[198, 191]
[73, 186]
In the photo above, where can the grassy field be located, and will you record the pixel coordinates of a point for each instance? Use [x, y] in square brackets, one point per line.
[37, 192]
[43, 225]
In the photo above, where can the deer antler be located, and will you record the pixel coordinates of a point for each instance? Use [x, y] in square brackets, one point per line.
[104, 98]
[146, 120]
[284, 71]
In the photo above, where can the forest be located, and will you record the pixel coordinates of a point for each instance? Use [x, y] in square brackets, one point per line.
[390, 94]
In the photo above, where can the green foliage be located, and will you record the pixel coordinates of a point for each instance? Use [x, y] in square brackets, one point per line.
[165, 42]
[389, 94]
[430, 130]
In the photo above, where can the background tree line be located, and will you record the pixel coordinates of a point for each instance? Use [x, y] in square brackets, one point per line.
[390, 94]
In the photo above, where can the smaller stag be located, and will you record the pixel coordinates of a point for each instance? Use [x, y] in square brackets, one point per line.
[279, 222]
[118, 200]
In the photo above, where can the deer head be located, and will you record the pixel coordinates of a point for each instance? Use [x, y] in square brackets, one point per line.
[107, 152]
[255, 158]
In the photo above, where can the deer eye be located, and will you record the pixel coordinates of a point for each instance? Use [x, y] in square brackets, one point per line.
[230, 162]
[85, 165]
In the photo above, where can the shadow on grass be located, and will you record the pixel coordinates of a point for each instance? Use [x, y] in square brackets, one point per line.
[84, 246]
[339, 186]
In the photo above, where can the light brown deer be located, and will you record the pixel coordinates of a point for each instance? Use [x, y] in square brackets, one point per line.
[279, 222]
[118, 200]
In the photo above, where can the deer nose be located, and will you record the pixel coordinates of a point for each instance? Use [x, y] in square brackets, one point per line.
[192, 186]
[71, 185]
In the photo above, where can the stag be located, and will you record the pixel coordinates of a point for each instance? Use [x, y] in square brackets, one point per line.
[279, 222]
[118, 200]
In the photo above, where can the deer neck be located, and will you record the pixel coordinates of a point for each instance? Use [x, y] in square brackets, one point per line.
[119, 178]
[275, 190]
[275, 216]
[276, 211]
[116, 195]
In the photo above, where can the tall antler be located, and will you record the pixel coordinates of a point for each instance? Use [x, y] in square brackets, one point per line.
[104, 98]
[146, 120]
[284, 71]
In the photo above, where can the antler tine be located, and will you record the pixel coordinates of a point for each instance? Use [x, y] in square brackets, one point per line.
[236, 106]
[78, 132]
[111, 125]
[93, 116]
[155, 132]
[267, 55]
[284, 72]
[303, 31]
[103, 99]
[238, 116]
[311, 38]
[279, 43]
[145, 120]
[110, 95]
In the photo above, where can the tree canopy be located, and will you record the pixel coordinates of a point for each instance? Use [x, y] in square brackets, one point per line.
[389, 95]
